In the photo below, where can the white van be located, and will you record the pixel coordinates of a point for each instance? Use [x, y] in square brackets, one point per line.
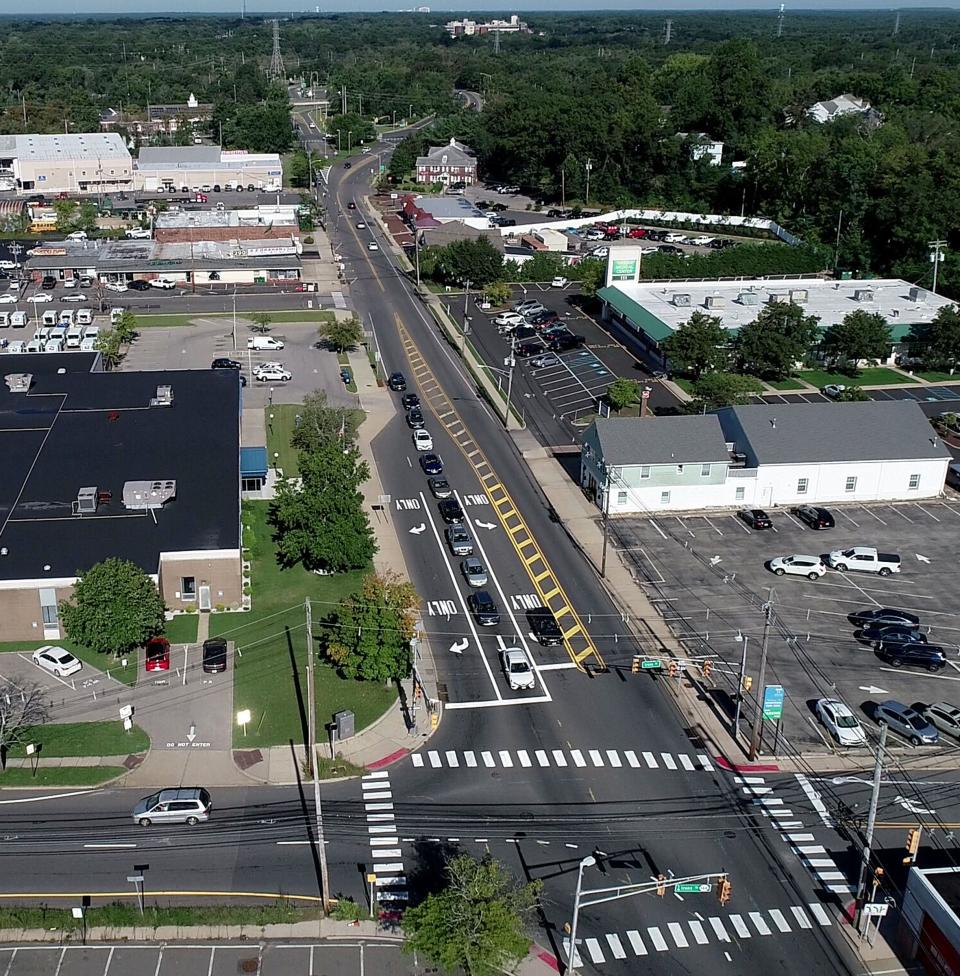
[53, 345]
[4, 320]
[84, 316]
[115, 315]
[42, 333]
[66, 316]
[49, 317]
[74, 336]
[59, 333]
[36, 344]
[88, 344]
[17, 347]
[263, 342]
[18, 320]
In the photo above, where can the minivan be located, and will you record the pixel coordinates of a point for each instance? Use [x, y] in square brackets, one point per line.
[189, 805]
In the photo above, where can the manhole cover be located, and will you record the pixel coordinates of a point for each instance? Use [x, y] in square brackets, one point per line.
[131, 762]
[248, 965]
[247, 757]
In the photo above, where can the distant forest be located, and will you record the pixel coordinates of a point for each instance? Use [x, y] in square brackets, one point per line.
[601, 89]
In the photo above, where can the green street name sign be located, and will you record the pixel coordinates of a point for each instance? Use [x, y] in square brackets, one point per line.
[649, 665]
[694, 888]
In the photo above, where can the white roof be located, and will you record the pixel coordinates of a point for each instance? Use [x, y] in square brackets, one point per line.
[79, 145]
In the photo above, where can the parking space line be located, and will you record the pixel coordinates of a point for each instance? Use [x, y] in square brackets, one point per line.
[924, 674]
[795, 520]
[897, 510]
[873, 515]
[683, 525]
[657, 527]
[840, 511]
[13, 956]
[156, 972]
[739, 523]
[925, 512]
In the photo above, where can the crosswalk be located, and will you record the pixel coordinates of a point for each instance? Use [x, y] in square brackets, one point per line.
[689, 933]
[561, 758]
[385, 852]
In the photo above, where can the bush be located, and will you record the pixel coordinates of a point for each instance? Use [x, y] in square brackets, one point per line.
[308, 240]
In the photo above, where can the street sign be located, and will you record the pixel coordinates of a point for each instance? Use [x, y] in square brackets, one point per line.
[875, 908]
[773, 702]
[650, 665]
[695, 888]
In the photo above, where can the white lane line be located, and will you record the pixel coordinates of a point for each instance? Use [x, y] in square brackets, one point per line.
[705, 763]
[524, 758]
[595, 757]
[748, 779]
[577, 756]
[417, 760]
[452, 760]
[801, 916]
[542, 757]
[593, 947]
[506, 759]
[717, 925]
[815, 801]
[668, 760]
[559, 758]
[676, 931]
[819, 913]
[107, 846]
[397, 866]
[659, 942]
[471, 759]
[846, 889]
[778, 920]
[52, 796]
[616, 946]
[686, 762]
[613, 757]
[632, 758]
[636, 942]
[487, 758]
[740, 927]
[757, 790]
[383, 829]
[434, 758]
[698, 934]
[380, 817]
[650, 760]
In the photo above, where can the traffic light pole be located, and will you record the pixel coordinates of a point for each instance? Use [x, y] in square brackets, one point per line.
[871, 821]
[758, 712]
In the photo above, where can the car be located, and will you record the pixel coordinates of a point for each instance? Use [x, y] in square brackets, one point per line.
[270, 364]
[70, 282]
[541, 362]
[346, 375]
[156, 654]
[915, 655]
[561, 342]
[756, 518]
[77, 235]
[516, 668]
[559, 282]
[944, 716]
[521, 307]
[186, 805]
[415, 419]
[815, 517]
[542, 319]
[530, 310]
[164, 283]
[214, 655]
[74, 297]
[8, 299]
[544, 626]
[884, 615]
[264, 342]
[524, 332]
[459, 540]
[222, 362]
[450, 511]
[886, 635]
[636, 232]
[702, 241]
[361, 225]
[483, 608]
[56, 660]
[272, 374]
[351, 205]
[138, 234]
[810, 566]
[431, 463]
[670, 249]
[439, 487]
[41, 298]
[509, 318]
[397, 382]
[674, 238]
[422, 440]
[119, 286]
[347, 164]
[473, 571]
[373, 246]
[833, 390]
[139, 285]
[526, 349]
[250, 188]
[409, 400]
[906, 721]
[840, 722]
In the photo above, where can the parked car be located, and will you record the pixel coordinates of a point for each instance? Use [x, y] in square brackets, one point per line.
[509, 318]
[544, 626]
[559, 282]
[139, 285]
[473, 571]
[562, 342]
[214, 655]
[450, 511]
[541, 362]
[346, 375]
[75, 297]
[926, 656]
[702, 241]
[524, 332]
[273, 374]
[117, 286]
[890, 634]
[48, 282]
[483, 608]
[833, 390]
[415, 419]
[636, 232]
[263, 342]
[222, 362]
[156, 654]
[431, 464]
[459, 540]
[439, 487]
[756, 518]
[527, 303]
[527, 349]
[944, 716]
[516, 668]
[422, 440]
[41, 298]
[840, 722]
[56, 660]
[815, 517]
[864, 559]
[906, 721]
[670, 249]
[674, 238]
[397, 382]
[166, 284]
[884, 615]
[183, 805]
[810, 566]
[409, 400]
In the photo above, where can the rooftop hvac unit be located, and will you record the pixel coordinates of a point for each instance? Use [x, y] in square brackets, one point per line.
[778, 296]
[863, 295]
[145, 495]
[86, 503]
[164, 397]
[918, 294]
[748, 298]
[18, 382]
[799, 295]
[715, 301]
[682, 301]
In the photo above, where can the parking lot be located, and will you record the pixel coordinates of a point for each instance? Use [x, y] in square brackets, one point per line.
[922, 394]
[707, 576]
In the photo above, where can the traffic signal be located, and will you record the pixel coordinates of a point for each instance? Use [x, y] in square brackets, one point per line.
[672, 669]
[747, 682]
[724, 890]
[635, 667]
[913, 844]
[707, 667]
[661, 884]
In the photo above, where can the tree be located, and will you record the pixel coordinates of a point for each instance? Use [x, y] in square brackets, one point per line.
[126, 327]
[939, 340]
[477, 261]
[108, 345]
[715, 390]
[318, 424]
[298, 168]
[342, 334]
[780, 336]
[622, 393]
[351, 129]
[476, 923]
[23, 705]
[115, 607]
[592, 274]
[861, 335]
[498, 293]
[701, 344]
[67, 212]
[261, 322]
[321, 522]
[370, 631]
[853, 394]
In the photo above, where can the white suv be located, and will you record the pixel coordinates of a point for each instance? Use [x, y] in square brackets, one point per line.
[810, 566]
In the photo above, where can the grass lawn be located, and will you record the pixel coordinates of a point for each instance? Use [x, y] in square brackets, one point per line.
[787, 384]
[270, 667]
[870, 376]
[684, 384]
[344, 360]
[940, 377]
[279, 431]
[103, 662]
[308, 315]
[182, 629]
[84, 739]
[60, 775]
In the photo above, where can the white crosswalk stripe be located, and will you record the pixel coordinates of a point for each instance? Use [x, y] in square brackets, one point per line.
[801, 916]
[471, 759]
[778, 920]
[577, 756]
[649, 760]
[659, 942]
[387, 856]
[686, 761]
[524, 758]
[616, 946]
[543, 758]
[819, 912]
[593, 948]
[452, 758]
[740, 927]
[676, 931]
[632, 759]
[759, 923]
[580, 758]
[698, 934]
[717, 925]
[636, 943]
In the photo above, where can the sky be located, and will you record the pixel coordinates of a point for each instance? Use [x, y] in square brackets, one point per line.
[88, 7]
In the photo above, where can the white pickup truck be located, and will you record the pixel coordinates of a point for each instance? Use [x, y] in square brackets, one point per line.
[864, 559]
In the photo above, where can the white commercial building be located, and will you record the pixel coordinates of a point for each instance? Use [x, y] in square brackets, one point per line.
[78, 163]
[189, 168]
[763, 456]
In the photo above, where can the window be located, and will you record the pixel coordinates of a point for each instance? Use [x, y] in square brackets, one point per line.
[851, 484]
[621, 498]
[644, 470]
[802, 485]
[664, 497]
[704, 470]
[740, 494]
[914, 482]
[188, 588]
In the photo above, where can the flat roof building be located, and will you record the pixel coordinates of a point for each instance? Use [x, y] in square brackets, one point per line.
[254, 223]
[78, 163]
[196, 166]
[96, 465]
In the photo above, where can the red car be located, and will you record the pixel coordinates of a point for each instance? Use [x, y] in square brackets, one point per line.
[636, 232]
[157, 654]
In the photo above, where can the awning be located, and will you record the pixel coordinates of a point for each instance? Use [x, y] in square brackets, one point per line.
[253, 462]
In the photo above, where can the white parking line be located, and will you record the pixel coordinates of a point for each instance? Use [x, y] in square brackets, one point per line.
[840, 511]
[897, 510]
[657, 527]
[739, 524]
[925, 512]
[683, 525]
[872, 515]
[712, 526]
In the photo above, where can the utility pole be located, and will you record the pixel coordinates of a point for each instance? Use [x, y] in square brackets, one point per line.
[311, 704]
[589, 167]
[466, 318]
[743, 667]
[936, 257]
[343, 99]
[312, 735]
[606, 524]
[836, 249]
[871, 820]
[416, 248]
[588, 862]
[758, 711]
[510, 362]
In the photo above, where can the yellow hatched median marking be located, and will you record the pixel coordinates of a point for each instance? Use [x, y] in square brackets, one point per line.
[577, 641]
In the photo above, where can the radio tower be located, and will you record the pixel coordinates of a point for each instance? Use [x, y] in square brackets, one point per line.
[496, 41]
[668, 32]
[896, 25]
[276, 59]
[780, 22]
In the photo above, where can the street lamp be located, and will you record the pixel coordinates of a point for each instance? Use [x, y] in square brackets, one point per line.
[743, 667]
[588, 862]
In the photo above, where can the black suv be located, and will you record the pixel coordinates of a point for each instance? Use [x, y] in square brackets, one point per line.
[544, 626]
[816, 518]
[397, 382]
[221, 362]
[409, 401]
[483, 608]
[450, 511]
[214, 655]
[48, 282]
[925, 656]
[415, 419]
[564, 341]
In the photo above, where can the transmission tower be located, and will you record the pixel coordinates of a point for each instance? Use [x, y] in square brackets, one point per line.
[780, 22]
[896, 25]
[496, 41]
[668, 32]
[276, 59]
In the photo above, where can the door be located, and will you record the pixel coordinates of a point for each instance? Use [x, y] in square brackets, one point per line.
[204, 596]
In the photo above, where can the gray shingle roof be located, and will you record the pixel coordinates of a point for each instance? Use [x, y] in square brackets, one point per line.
[661, 440]
[876, 430]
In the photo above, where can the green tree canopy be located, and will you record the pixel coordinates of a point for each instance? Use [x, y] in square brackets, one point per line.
[477, 261]
[861, 335]
[320, 424]
[622, 393]
[780, 336]
[476, 923]
[701, 344]
[715, 390]
[115, 608]
[342, 334]
[938, 340]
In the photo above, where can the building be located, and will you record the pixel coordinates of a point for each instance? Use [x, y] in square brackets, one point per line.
[930, 919]
[453, 163]
[656, 309]
[79, 163]
[470, 28]
[765, 455]
[101, 464]
[255, 223]
[159, 118]
[835, 108]
[442, 210]
[189, 168]
[274, 261]
[703, 146]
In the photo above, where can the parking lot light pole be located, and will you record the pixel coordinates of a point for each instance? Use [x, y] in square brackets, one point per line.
[588, 862]
[743, 667]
